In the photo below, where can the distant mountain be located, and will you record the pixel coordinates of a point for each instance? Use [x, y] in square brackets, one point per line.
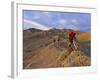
[63, 33]
[34, 30]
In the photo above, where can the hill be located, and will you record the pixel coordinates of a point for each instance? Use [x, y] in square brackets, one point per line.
[84, 37]
[47, 49]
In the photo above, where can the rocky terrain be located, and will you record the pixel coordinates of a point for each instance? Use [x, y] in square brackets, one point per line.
[48, 49]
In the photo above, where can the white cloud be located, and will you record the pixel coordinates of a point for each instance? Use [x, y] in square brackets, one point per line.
[62, 21]
[75, 21]
[37, 25]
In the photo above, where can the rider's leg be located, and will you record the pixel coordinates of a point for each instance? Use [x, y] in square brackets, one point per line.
[75, 45]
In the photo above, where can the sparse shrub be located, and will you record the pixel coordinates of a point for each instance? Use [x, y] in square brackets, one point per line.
[76, 58]
[75, 54]
[63, 55]
[81, 61]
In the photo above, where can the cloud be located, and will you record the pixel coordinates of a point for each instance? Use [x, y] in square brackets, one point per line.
[62, 21]
[58, 20]
[36, 25]
[74, 21]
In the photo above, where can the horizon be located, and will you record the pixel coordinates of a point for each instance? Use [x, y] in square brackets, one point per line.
[55, 28]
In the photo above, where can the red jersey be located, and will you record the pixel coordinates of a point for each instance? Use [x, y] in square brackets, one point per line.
[71, 35]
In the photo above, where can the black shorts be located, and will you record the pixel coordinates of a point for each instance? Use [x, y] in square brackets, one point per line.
[71, 40]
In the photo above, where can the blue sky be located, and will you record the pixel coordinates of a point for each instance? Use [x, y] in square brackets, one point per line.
[59, 20]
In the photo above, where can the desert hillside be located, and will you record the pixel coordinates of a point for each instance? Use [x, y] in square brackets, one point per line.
[84, 37]
[47, 49]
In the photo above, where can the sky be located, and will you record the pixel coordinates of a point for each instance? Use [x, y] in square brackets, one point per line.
[46, 20]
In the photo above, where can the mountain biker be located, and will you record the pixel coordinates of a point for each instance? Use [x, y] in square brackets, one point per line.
[71, 37]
